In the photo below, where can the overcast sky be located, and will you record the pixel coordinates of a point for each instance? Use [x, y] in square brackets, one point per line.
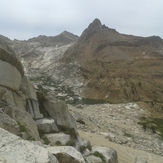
[23, 19]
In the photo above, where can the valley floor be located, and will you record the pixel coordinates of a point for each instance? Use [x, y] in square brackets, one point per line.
[118, 126]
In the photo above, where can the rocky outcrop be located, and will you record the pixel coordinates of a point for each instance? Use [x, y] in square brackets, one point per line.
[9, 76]
[58, 110]
[58, 139]
[11, 59]
[109, 154]
[26, 123]
[33, 108]
[13, 101]
[28, 88]
[15, 150]
[8, 123]
[66, 154]
[92, 159]
[47, 125]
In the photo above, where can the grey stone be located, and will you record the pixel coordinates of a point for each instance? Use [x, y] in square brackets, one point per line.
[2, 92]
[28, 88]
[58, 110]
[53, 138]
[19, 100]
[33, 108]
[25, 119]
[8, 123]
[15, 150]
[93, 159]
[109, 154]
[47, 125]
[66, 154]
[10, 77]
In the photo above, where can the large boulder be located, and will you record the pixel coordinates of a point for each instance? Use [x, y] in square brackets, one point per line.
[109, 154]
[28, 88]
[66, 154]
[9, 76]
[58, 110]
[25, 121]
[7, 55]
[47, 125]
[8, 123]
[15, 150]
[93, 159]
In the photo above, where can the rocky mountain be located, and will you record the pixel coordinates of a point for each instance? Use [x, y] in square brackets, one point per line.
[32, 125]
[41, 51]
[101, 65]
[118, 67]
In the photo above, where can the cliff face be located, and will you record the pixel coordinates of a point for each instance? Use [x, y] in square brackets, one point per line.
[16, 92]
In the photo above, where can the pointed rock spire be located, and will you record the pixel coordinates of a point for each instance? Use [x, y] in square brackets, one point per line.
[95, 23]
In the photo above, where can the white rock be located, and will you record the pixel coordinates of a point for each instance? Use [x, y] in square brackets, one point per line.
[16, 150]
[66, 154]
[8, 123]
[93, 159]
[53, 138]
[47, 125]
[109, 154]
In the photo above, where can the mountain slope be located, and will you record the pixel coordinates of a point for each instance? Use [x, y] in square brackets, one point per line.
[118, 67]
[42, 51]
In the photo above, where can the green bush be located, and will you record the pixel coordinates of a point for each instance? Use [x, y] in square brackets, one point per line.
[89, 147]
[22, 128]
[71, 142]
[71, 132]
[58, 143]
[97, 154]
[154, 124]
[46, 140]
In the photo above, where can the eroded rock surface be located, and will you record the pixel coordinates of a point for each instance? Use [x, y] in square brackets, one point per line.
[66, 154]
[14, 149]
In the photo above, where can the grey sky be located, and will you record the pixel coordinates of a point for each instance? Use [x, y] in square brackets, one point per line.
[23, 19]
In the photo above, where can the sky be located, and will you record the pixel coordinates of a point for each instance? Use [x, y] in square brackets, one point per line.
[24, 19]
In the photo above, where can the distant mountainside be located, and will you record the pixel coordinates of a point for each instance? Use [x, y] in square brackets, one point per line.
[63, 38]
[101, 64]
[42, 51]
[101, 42]
[118, 67]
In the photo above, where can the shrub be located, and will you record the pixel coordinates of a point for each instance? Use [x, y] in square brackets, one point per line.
[97, 154]
[89, 147]
[22, 128]
[71, 142]
[46, 140]
[58, 143]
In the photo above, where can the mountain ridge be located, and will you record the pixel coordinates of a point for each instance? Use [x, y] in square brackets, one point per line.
[105, 64]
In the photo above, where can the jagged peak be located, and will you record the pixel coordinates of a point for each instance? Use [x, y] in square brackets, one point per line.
[95, 23]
